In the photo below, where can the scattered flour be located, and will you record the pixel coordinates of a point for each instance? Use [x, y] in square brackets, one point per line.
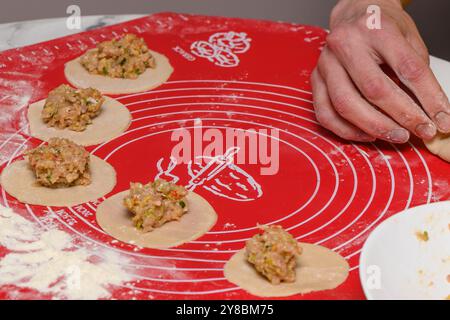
[229, 225]
[48, 262]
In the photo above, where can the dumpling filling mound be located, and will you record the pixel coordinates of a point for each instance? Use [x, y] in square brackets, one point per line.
[71, 108]
[60, 163]
[127, 57]
[156, 203]
[273, 254]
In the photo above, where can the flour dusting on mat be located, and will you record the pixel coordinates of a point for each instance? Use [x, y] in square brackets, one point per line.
[48, 262]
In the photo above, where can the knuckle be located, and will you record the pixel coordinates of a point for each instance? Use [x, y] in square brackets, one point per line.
[411, 69]
[327, 121]
[342, 105]
[373, 88]
[378, 130]
[410, 120]
[322, 116]
[373, 125]
[337, 38]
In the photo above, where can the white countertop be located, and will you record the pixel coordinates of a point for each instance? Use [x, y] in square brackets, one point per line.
[19, 34]
[24, 33]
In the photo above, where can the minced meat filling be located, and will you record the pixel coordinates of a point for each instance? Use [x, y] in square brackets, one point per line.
[156, 203]
[60, 163]
[127, 57]
[71, 108]
[273, 254]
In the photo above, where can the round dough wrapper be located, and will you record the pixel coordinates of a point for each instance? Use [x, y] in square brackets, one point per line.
[318, 268]
[79, 77]
[440, 146]
[113, 120]
[19, 181]
[115, 219]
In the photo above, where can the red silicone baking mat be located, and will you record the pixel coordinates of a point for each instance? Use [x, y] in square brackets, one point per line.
[229, 73]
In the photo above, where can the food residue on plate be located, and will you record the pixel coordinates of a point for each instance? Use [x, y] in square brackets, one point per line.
[422, 236]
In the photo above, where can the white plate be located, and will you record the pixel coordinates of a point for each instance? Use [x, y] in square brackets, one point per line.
[395, 264]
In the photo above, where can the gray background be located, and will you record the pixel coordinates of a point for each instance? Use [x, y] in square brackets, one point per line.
[432, 16]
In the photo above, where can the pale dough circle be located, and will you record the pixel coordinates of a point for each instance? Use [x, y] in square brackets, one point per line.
[318, 268]
[79, 77]
[115, 219]
[440, 146]
[19, 181]
[113, 120]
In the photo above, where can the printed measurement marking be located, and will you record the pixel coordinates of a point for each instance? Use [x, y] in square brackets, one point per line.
[184, 53]
[83, 211]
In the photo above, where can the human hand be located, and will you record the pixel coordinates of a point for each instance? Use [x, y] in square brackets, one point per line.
[355, 99]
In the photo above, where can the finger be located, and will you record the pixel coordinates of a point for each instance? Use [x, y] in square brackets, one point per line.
[414, 38]
[348, 102]
[381, 91]
[328, 117]
[415, 73]
[419, 46]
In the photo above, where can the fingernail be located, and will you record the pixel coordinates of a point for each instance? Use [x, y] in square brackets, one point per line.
[443, 121]
[426, 131]
[398, 135]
